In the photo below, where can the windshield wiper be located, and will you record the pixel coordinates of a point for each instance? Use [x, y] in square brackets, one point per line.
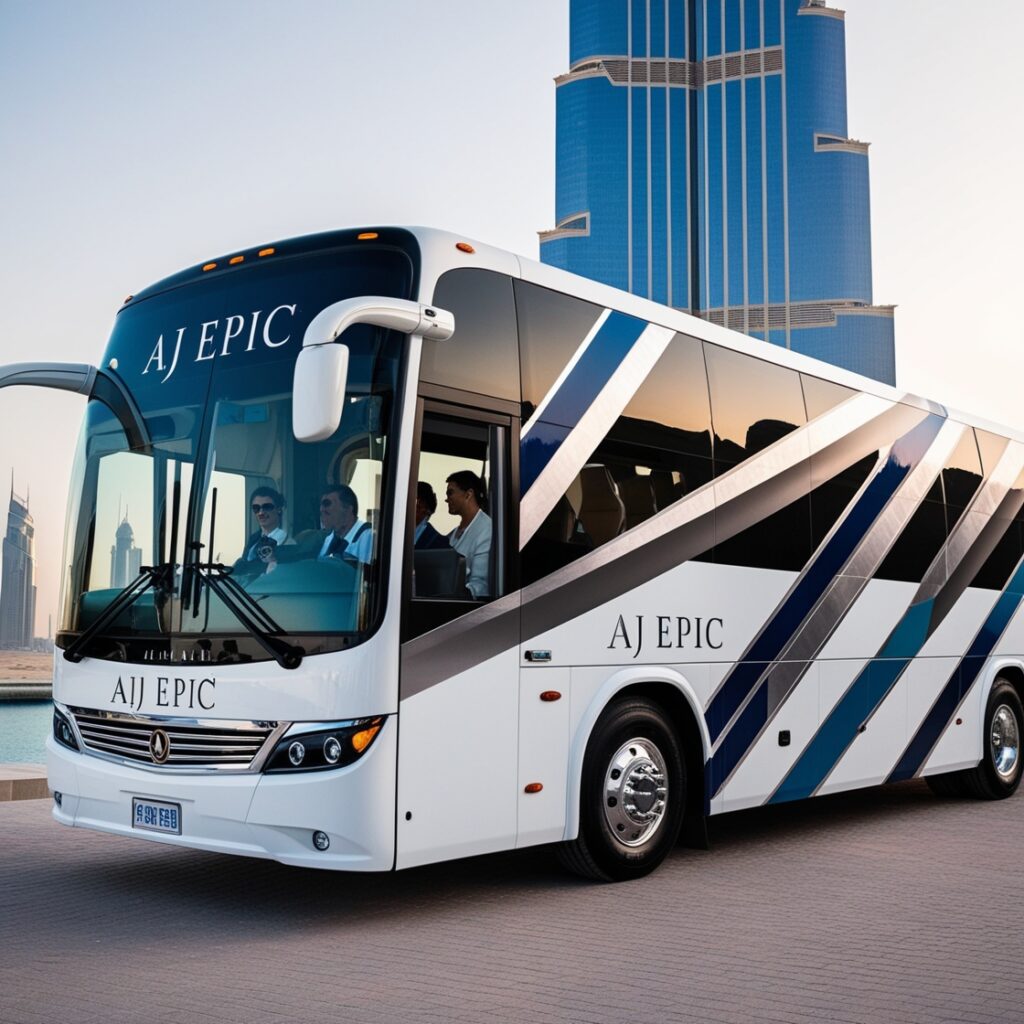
[249, 612]
[157, 576]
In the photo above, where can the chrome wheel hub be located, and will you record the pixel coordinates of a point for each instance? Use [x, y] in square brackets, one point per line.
[1005, 741]
[635, 792]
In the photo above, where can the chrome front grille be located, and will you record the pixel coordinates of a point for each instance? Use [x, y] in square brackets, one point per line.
[191, 743]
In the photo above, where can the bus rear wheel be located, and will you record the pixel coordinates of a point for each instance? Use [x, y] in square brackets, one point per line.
[632, 794]
[998, 774]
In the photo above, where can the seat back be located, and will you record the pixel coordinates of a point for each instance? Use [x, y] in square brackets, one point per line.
[440, 572]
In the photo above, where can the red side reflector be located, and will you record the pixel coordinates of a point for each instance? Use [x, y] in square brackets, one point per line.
[550, 695]
[534, 787]
[464, 247]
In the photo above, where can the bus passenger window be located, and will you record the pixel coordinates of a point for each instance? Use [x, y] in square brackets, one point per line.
[457, 512]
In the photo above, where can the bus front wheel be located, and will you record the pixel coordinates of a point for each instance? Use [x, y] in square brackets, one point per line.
[998, 775]
[632, 794]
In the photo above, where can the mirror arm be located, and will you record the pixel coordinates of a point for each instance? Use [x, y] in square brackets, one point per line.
[394, 314]
[77, 377]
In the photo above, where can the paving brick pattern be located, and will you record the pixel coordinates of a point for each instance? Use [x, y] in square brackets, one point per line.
[886, 906]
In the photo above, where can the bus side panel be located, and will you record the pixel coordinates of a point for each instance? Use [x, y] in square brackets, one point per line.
[457, 764]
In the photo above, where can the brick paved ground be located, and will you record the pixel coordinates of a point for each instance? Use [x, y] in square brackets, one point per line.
[886, 906]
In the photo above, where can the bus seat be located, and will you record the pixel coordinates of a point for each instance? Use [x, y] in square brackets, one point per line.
[601, 510]
[440, 572]
[638, 498]
[664, 489]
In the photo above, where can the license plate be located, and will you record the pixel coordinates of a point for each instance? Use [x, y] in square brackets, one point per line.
[156, 816]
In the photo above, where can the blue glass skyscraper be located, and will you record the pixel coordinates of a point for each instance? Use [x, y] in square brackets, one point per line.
[703, 161]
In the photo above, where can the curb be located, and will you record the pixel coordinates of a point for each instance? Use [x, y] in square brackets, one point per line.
[23, 782]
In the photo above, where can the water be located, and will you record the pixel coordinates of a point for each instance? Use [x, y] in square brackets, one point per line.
[24, 726]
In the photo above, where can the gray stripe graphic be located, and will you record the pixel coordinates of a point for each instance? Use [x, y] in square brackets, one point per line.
[825, 617]
[752, 491]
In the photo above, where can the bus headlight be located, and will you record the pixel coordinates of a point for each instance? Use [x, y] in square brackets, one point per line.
[324, 748]
[63, 733]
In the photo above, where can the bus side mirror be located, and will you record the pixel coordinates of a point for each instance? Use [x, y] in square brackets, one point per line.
[318, 394]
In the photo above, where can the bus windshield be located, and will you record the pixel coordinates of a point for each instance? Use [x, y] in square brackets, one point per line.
[219, 487]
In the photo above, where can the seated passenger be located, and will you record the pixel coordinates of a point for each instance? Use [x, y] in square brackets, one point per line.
[465, 498]
[268, 507]
[346, 536]
[426, 505]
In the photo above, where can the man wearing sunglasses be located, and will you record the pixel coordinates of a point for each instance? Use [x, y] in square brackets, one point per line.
[268, 507]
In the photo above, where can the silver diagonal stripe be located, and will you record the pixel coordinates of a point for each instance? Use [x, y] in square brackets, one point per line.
[753, 490]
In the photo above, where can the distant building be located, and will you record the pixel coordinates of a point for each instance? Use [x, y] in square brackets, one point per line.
[125, 557]
[18, 577]
[703, 161]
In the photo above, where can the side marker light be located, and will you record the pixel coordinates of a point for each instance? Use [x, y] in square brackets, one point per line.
[534, 787]
[236, 259]
[266, 252]
[209, 266]
[550, 695]
[464, 247]
[367, 236]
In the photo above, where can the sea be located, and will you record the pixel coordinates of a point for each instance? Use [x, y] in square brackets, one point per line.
[24, 726]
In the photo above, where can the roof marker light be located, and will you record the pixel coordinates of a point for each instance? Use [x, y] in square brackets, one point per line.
[127, 300]
[464, 247]
[366, 236]
[209, 266]
[236, 259]
[266, 252]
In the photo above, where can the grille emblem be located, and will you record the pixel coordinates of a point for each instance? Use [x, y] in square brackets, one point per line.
[159, 746]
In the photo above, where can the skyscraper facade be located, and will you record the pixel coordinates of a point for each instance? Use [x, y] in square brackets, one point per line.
[18, 577]
[125, 557]
[703, 161]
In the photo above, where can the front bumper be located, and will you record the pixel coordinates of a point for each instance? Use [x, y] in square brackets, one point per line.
[252, 815]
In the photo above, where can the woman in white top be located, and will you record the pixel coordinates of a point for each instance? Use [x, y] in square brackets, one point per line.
[472, 537]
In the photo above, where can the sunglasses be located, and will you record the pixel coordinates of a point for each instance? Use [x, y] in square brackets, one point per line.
[264, 507]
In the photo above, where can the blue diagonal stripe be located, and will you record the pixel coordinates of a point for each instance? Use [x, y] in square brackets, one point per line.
[869, 689]
[961, 680]
[746, 677]
[788, 618]
[576, 393]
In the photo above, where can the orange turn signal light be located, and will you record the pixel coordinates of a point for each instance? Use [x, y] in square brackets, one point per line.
[464, 247]
[367, 236]
[209, 266]
[361, 740]
[534, 787]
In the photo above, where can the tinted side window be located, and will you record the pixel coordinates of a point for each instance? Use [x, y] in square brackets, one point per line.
[552, 327]
[753, 404]
[920, 541]
[483, 354]
[830, 499]
[999, 566]
[822, 395]
[657, 452]
[961, 476]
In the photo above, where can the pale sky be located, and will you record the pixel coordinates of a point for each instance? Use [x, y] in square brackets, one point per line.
[139, 139]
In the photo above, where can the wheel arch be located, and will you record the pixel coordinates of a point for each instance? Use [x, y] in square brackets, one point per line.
[668, 688]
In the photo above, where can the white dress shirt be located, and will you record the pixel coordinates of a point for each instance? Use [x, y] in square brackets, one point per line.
[360, 550]
[474, 544]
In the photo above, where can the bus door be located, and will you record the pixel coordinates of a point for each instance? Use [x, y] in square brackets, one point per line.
[459, 682]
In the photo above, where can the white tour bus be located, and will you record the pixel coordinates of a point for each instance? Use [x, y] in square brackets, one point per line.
[384, 548]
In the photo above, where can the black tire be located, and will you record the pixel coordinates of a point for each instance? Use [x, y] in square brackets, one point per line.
[612, 846]
[996, 779]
